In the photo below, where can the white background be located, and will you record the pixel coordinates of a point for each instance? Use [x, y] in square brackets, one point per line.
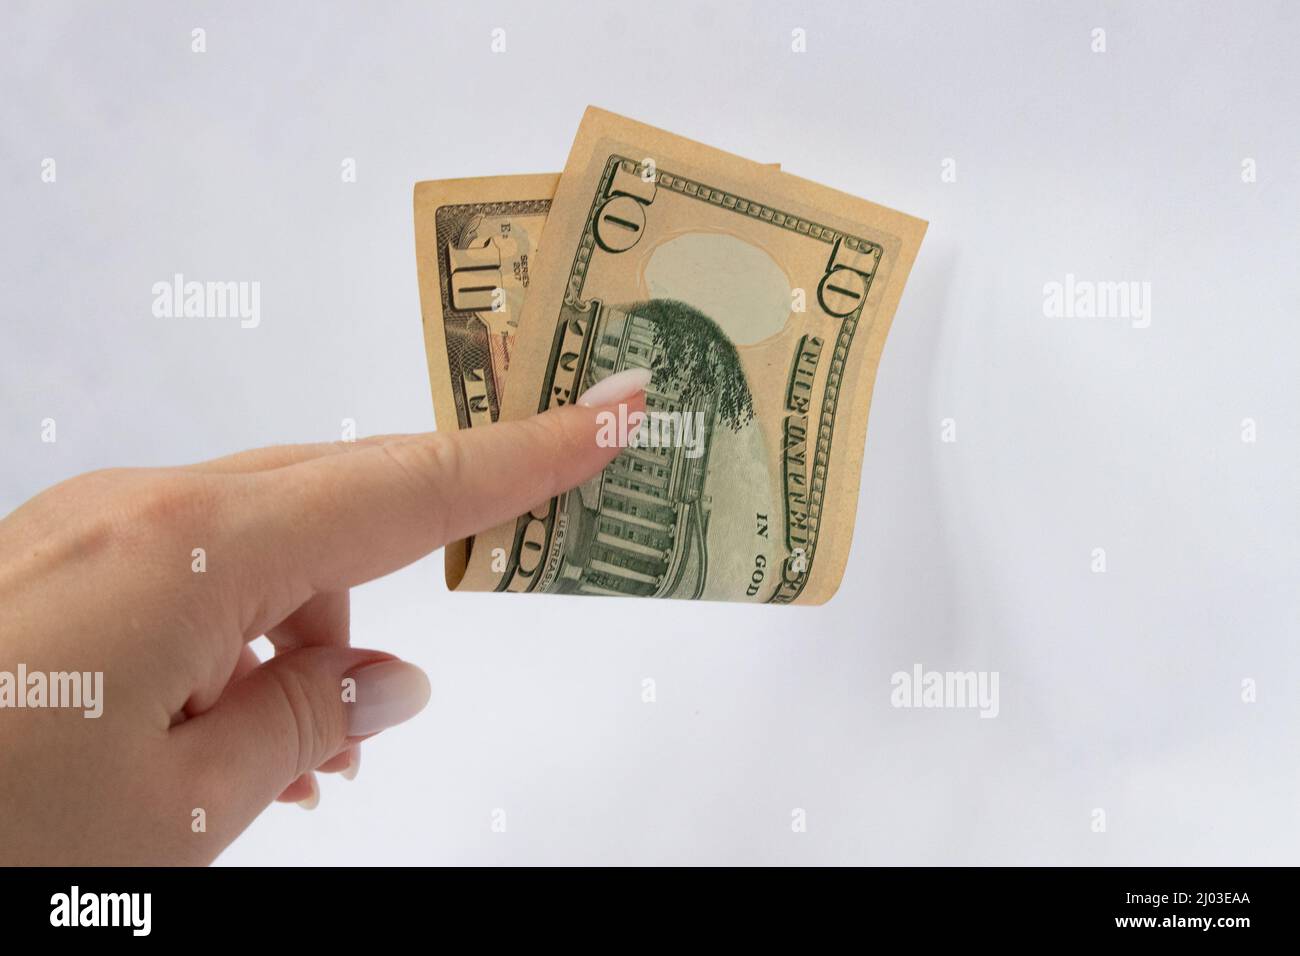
[1120, 691]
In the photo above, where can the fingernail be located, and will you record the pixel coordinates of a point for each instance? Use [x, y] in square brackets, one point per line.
[312, 800]
[616, 387]
[387, 694]
[354, 763]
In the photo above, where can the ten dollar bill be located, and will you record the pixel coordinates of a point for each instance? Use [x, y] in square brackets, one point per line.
[761, 301]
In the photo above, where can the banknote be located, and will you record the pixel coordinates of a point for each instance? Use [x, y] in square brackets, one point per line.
[476, 244]
[760, 302]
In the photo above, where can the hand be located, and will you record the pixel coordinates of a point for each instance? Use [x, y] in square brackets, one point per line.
[98, 575]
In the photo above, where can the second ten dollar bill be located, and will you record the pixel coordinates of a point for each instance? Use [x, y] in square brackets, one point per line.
[759, 301]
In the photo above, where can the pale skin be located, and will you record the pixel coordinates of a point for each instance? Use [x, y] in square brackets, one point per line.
[97, 574]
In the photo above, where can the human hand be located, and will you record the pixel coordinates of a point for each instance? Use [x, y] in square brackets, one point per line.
[98, 575]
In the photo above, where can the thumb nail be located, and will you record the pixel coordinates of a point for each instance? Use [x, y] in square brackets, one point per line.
[616, 387]
[387, 694]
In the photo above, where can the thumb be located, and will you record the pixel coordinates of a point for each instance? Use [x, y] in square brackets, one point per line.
[289, 716]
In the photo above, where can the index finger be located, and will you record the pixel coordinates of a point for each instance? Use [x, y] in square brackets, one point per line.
[340, 520]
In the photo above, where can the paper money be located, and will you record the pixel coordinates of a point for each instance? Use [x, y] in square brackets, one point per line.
[476, 243]
[761, 302]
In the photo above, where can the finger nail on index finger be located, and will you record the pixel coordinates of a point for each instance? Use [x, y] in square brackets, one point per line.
[617, 387]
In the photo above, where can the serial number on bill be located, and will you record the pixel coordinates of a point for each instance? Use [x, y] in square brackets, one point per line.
[1185, 899]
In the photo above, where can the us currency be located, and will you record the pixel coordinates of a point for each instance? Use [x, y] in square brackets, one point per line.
[761, 302]
[476, 244]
